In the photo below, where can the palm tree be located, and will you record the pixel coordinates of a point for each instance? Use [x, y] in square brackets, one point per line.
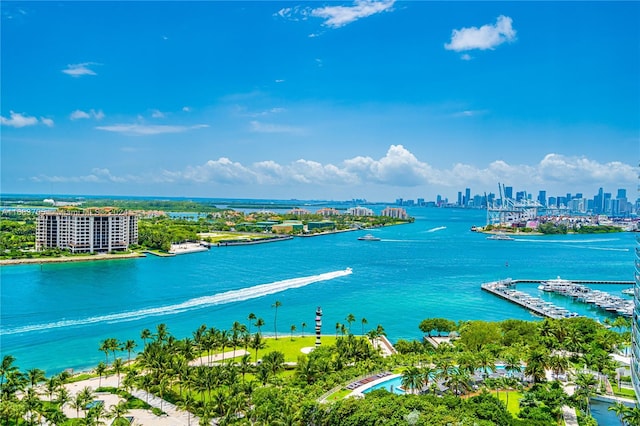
[251, 318]
[276, 305]
[52, 385]
[486, 361]
[188, 404]
[537, 361]
[259, 323]
[620, 409]
[161, 332]
[293, 329]
[585, 388]
[245, 364]
[364, 322]
[458, 382]
[303, 325]
[338, 326]
[117, 412]
[632, 416]
[144, 335]
[412, 379]
[257, 343]
[6, 367]
[129, 346]
[558, 364]
[223, 339]
[350, 319]
[100, 370]
[117, 368]
[104, 347]
[35, 376]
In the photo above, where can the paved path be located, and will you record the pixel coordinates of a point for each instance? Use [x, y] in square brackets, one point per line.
[177, 416]
[214, 359]
[569, 413]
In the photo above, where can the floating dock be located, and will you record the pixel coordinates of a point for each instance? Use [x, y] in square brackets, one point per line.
[504, 289]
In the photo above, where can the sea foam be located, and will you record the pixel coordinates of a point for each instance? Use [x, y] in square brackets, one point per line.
[191, 304]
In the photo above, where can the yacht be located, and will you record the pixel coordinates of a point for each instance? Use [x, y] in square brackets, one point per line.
[368, 237]
[500, 236]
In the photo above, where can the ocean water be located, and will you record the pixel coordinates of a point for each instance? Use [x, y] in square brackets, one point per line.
[53, 316]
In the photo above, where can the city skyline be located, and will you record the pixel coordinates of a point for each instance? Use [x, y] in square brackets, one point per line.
[365, 99]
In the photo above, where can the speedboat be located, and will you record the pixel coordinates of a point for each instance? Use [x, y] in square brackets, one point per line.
[368, 237]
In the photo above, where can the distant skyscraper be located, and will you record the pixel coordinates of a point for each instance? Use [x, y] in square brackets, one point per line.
[467, 196]
[459, 198]
[598, 202]
[622, 193]
[508, 192]
[542, 197]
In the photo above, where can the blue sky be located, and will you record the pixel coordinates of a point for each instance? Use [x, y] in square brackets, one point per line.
[334, 100]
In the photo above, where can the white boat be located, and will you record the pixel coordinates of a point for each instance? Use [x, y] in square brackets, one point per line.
[368, 237]
[557, 285]
[500, 236]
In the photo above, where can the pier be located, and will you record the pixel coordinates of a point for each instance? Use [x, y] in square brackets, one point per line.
[585, 282]
[504, 289]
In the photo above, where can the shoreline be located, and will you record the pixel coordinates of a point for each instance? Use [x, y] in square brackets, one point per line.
[64, 259]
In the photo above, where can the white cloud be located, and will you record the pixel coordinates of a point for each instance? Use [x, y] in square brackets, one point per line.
[339, 16]
[145, 129]
[222, 170]
[157, 114]
[398, 168]
[260, 127]
[77, 70]
[186, 109]
[97, 175]
[79, 114]
[46, 121]
[485, 37]
[18, 120]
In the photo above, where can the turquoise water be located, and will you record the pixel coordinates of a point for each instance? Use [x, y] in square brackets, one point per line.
[392, 385]
[55, 315]
[600, 412]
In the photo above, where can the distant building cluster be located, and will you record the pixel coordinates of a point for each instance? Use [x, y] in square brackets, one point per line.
[360, 211]
[602, 203]
[395, 212]
[86, 231]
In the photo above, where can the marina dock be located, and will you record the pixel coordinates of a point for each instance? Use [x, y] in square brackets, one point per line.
[505, 289]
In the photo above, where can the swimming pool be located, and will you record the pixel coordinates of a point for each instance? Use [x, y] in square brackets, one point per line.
[393, 385]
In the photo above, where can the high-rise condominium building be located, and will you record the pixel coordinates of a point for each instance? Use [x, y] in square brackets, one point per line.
[635, 327]
[86, 231]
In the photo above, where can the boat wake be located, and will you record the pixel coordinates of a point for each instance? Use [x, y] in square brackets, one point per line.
[607, 248]
[196, 303]
[439, 228]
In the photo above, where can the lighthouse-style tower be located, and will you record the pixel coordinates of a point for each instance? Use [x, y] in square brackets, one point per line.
[318, 325]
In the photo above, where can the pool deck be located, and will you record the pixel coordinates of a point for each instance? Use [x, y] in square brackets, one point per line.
[369, 382]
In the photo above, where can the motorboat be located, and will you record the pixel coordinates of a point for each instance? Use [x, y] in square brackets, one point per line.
[368, 237]
[500, 236]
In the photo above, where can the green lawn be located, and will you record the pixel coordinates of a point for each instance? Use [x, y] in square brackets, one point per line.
[514, 400]
[625, 392]
[291, 348]
[337, 396]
